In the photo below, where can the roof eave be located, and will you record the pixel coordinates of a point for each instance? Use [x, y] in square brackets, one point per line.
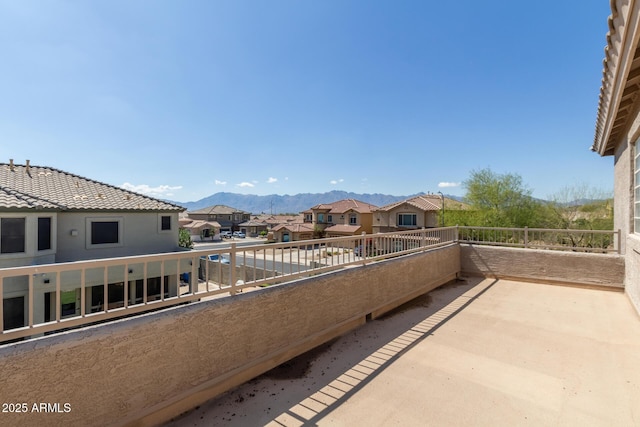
[620, 52]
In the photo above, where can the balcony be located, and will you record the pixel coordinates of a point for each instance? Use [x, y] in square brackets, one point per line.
[226, 323]
[473, 352]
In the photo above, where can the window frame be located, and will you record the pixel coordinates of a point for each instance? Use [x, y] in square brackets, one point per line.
[51, 235]
[24, 235]
[89, 232]
[407, 214]
[162, 230]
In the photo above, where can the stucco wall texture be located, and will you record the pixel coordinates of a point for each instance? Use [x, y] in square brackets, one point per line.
[568, 268]
[632, 270]
[143, 370]
[624, 211]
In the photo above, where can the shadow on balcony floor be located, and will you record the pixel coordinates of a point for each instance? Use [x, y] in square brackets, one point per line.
[475, 352]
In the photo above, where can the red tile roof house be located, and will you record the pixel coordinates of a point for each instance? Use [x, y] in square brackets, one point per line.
[200, 230]
[228, 217]
[346, 217]
[51, 216]
[291, 232]
[413, 213]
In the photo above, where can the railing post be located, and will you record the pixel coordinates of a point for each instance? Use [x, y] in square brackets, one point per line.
[423, 235]
[1, 305]
[232, 267]
[125, 297]
[363, 247]
[526, 237]
[30, 306]
[456, 234]
[194, 276]
[105, 294]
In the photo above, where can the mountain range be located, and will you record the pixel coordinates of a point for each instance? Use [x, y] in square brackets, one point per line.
[280, 204]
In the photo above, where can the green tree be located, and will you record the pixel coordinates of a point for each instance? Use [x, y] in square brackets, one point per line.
[501, 200]
[184, 239]
[582, 207]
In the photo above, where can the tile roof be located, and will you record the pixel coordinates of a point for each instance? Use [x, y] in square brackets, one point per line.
[426, 202]
[294, 228]
[345, 205]
[278, 219]
[343, 228]
[218, 210]
[619, 89]
[253, 223]
[24, 187]
[199, 224]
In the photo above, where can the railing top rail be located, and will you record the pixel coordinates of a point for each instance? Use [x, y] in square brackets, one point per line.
[190, 254]
[556, 230]
[277, 262]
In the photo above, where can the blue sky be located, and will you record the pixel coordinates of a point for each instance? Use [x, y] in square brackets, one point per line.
[183, 99]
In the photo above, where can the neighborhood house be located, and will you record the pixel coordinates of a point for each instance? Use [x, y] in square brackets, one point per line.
[49, 216]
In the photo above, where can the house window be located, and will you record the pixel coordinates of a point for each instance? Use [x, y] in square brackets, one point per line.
[329, 219]
[12, 235]
[44, 233]
[353, 219]
[165, 222]
[636, 188]
[320, 218]
[405, 220]
[104, 232]
[308, 218]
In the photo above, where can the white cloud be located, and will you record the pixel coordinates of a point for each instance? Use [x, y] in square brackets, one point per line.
[271, 180]
[448, 184]
[218, 182]
[159, 191]
[336, 181]
[245, 184]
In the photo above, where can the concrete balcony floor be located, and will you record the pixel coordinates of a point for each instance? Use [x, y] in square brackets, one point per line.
[479, 352]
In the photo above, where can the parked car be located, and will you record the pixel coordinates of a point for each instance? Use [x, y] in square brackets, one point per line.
[225, 234]
[218, 258]
[239, 234]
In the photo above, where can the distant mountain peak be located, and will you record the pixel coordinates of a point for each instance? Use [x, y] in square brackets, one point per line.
[281, 204]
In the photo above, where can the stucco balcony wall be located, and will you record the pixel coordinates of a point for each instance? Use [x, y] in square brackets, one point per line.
[632, 270]
[146, 369]
[559, 267]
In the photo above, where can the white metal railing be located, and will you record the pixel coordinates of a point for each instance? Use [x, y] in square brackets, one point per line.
[65, 295]
[599, 241]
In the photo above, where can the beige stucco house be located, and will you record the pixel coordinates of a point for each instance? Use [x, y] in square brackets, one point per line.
[254, 227]
[291, 232]
[422, 211]
[50, 216]
[227, 217]
[346, 217]
[618, 131]
[201, 230]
